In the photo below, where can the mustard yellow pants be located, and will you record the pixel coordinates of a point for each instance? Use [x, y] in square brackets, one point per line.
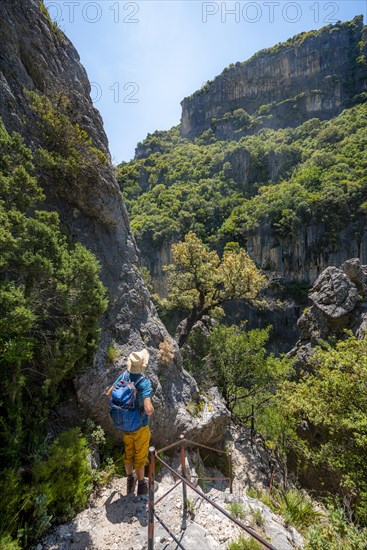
[136, 446]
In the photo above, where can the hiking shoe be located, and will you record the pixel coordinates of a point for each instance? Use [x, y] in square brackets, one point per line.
[143, 488]
[130, 484]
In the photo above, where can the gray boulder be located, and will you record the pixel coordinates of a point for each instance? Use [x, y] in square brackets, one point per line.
[334, 293]
[338, 302]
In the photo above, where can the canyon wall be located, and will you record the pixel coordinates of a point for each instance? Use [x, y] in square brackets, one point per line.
[314, 74]
[37, 56]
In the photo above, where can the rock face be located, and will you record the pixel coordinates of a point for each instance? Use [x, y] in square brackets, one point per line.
[304, 255]
[314, 74]
[36, 56]
[338, 302]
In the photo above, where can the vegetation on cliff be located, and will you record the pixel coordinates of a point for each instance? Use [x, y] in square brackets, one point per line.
[224, 191]
[330, 400]
[317, 417]
[295, 41]
[51, 300]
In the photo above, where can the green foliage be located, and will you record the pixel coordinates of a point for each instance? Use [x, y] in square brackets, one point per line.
[113, 353]
[6, 543]
[242, 370]
[195, 408]
[327, 187]
[236, 509]
[68, 152]
[335, 534]
[65, 477]
[51, 300]
[257, 517]
[190, 506]
[261, 495]
[296, 507]
[244, 544]
[200, 282]
[54, 25]
[178, 185]
[94, 434]
[332, 398]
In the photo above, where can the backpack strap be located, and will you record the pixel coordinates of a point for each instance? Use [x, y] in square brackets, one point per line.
[125, 376]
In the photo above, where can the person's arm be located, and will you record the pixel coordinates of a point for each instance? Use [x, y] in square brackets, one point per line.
[148, 406]
[109, 392]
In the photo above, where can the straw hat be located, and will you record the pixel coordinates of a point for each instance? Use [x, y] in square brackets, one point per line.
[137, 361]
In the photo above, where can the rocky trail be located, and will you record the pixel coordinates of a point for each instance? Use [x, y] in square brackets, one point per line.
[114, 520]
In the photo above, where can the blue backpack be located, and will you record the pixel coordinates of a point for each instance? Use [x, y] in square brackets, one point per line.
[124, 410]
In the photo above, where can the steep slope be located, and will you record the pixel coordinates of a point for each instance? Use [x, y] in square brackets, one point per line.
[313, 74]
[294, 197]
[37, 56]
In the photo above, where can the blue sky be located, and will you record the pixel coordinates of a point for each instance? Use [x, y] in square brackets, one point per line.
[143, 57]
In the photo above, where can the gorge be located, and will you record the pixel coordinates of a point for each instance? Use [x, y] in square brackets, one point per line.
[268, 166]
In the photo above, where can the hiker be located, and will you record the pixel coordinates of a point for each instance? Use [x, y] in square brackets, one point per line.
[136, 442]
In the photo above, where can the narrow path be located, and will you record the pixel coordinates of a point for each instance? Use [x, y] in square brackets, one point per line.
[114, 521]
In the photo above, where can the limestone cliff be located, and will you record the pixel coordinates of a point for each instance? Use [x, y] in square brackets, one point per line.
[35, 55]
[314, 74]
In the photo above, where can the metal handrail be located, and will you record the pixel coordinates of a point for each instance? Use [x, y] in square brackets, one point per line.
[153, 454]
[165, 526]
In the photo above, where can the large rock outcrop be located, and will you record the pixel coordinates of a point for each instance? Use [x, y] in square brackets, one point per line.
[338, 302]
[37, 56]
[314, 74]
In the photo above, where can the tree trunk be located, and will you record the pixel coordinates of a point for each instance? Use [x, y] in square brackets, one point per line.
[184, 331]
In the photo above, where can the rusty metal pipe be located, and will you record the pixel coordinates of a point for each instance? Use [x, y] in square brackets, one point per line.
[167, 493]
[222, 510]
[183, 473]
[230, 472]
[169, 531]
[194, 444]
[151, 498]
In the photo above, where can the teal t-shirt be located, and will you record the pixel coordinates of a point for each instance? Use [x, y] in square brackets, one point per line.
[144, 388]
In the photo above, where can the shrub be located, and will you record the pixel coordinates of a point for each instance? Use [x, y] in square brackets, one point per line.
[331, 397]
[257, 517]
[6, 543]
[113, 353]
[68, 150]
[165, 354]
[237, 510]
[244, 544]
[335, 533]
[296, 507]
[65, 477]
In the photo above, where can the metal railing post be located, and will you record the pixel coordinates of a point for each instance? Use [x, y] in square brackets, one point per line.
[183, 473]
[151, 498]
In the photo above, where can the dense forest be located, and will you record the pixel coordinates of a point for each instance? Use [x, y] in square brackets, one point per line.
[315, 173]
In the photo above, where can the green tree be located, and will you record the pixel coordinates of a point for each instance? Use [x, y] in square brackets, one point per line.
[332, 399]
[241, 368]
[200, 282]
[51, 299]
